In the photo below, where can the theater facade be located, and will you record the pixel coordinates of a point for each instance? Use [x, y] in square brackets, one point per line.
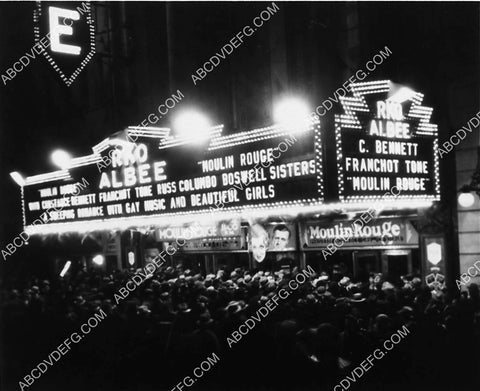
[273, 197]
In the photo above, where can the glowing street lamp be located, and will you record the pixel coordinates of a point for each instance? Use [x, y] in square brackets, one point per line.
[466, 200]
[98, 259]
[18, 178]
[292, 113]
[192, 125]
[61, 158]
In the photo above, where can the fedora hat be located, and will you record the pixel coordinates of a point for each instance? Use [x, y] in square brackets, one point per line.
[357, 298]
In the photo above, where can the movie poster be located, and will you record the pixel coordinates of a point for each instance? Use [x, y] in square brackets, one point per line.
[270, 237]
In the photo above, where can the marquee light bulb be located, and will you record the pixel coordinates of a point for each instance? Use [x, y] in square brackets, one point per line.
[466, 200]
[192, 125]
[292, 113]
[61, 159]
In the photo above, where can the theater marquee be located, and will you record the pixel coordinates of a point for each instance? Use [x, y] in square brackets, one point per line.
[161, 175]
[385, 139]
[147, 177]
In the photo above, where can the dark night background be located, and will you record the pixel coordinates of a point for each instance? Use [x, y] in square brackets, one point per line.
[148, 50]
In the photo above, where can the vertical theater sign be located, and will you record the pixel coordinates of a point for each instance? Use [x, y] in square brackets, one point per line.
[384, 139]
[70, 29]
[387, 152]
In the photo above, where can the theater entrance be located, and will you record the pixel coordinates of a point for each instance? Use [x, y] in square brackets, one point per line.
[387, 245]
[364, 263]
[391, 263]
[397, 263]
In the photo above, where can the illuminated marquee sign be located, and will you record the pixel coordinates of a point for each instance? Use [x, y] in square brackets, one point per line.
[385, 139]
[207, 236]
[161, 176]
[67, 32]
[236, 243]
[197, 230]
[381, 233]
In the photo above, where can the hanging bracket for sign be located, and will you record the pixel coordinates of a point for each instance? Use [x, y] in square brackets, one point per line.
[69, 32]
[384, 141]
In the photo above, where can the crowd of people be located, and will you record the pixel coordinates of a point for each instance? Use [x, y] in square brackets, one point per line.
[177, 318]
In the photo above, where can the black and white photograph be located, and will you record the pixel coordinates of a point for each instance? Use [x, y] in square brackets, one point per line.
[240, 195]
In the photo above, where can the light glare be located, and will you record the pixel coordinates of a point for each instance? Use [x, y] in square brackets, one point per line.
[402, 95]
[466, 200]
[65, 268]
[131, 258]
[292, 113]
[98, 259]
[61, 159]
[192, 125]
[18, 178]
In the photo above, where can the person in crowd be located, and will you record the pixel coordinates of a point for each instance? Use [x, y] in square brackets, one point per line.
[172, 321]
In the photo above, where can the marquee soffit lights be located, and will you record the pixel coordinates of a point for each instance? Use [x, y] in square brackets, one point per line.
[87, 13]
[259, 211]
[61, 159]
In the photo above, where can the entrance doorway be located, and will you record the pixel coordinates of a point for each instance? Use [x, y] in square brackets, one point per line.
[364, 263]
[391, 263]
[396, 263]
